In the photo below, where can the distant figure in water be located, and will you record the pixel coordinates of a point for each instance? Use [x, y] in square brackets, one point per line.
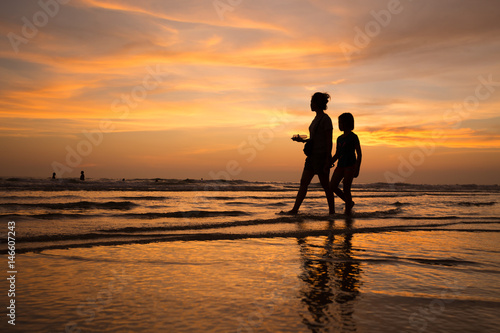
[318, 162]
[53, 175]
[82, 176]
[348, 155]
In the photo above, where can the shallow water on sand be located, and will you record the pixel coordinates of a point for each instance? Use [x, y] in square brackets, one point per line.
[336, 283]
[181, 257]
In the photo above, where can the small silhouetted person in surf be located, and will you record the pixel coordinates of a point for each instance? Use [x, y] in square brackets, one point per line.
[318, 159]
[348, 155]
[53, 175]
[82, 176]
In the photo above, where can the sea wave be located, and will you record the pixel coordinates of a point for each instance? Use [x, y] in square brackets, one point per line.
[184, 214]
[450, 262]
[60, 216]
[118, 205]
[400, 204]
[158, 184]
[146, 198]
[477, 204]
[149, 231]
[141, 235]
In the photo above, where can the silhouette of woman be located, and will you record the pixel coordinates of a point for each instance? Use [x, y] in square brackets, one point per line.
[82, 176]
[318, 162]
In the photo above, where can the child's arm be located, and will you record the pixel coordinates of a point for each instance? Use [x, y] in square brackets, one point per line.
[336, 156]
[328, 164]
[358, 159]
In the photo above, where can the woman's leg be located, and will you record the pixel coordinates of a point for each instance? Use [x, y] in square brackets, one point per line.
[324, 180]
[305, 180]
[337, 176]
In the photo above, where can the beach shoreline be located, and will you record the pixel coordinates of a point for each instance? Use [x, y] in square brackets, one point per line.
[311, 283]
[418, 258]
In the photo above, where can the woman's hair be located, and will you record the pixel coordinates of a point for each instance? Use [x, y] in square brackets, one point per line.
[348, 120]
[321, 99]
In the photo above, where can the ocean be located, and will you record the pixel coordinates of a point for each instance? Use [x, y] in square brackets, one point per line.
[169, 255]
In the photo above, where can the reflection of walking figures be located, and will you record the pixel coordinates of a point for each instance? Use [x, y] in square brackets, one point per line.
[82, 176]
[331, 282]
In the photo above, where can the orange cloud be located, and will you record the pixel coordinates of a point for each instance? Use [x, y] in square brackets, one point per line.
[225, 77]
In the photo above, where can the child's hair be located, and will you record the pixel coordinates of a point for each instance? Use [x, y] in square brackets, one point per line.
[348, 120]
[321, 99]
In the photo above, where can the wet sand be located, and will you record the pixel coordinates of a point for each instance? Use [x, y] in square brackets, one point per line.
[336, 283]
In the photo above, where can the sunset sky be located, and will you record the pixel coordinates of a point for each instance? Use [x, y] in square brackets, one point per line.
[215, 89]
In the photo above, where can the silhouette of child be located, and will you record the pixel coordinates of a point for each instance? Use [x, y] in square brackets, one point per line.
[348, 154]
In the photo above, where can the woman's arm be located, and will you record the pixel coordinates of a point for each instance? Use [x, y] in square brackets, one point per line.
[299, 138]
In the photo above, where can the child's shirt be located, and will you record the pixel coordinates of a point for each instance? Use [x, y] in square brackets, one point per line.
[346, 147]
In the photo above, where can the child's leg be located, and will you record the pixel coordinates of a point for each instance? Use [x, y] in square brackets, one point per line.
[348, 178]
[337, 176]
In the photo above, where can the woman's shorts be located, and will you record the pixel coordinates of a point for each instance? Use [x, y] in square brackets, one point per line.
[316, 163]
